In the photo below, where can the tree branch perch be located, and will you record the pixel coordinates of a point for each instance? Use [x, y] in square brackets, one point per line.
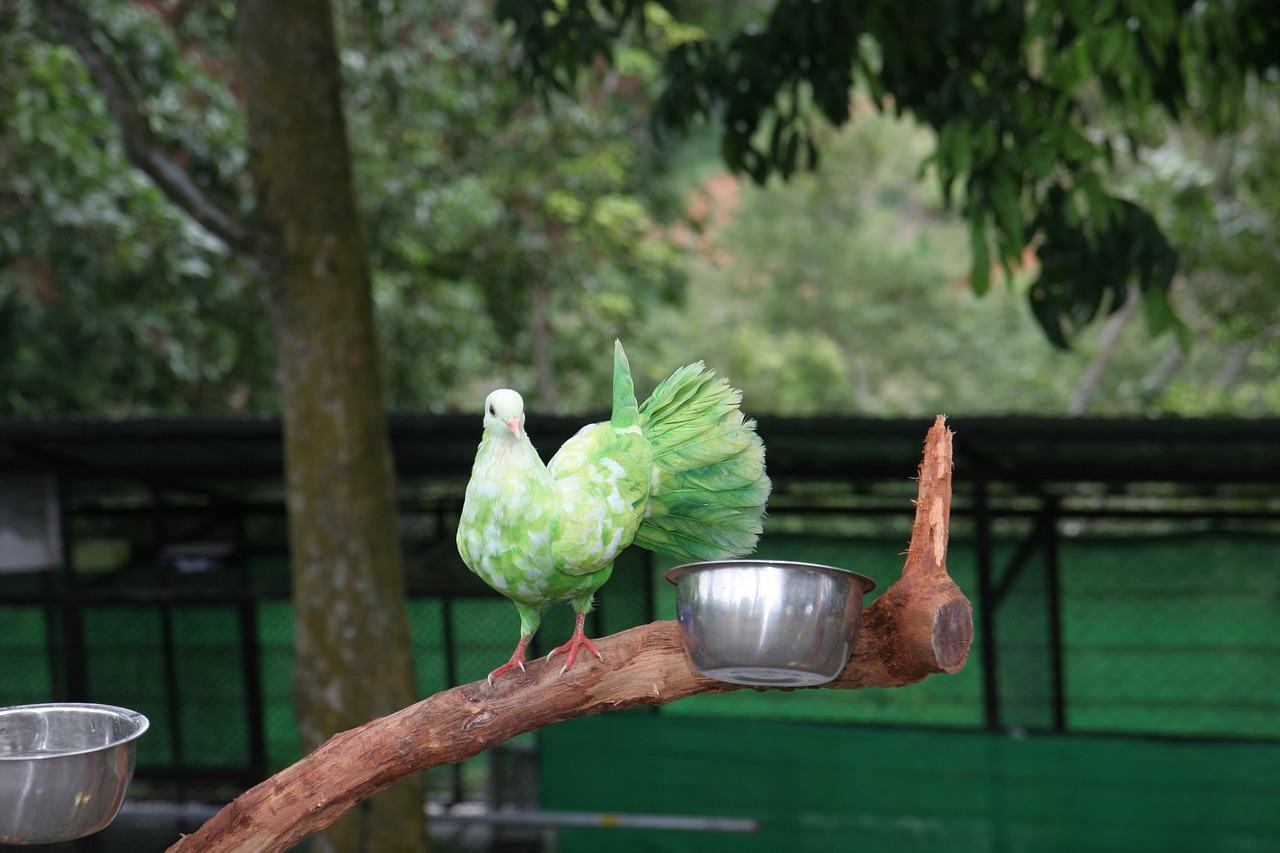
[921, 625]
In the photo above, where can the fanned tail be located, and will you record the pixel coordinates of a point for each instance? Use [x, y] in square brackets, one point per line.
[709, 490]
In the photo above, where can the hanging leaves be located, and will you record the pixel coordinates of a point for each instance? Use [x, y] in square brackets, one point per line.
[1009, 88]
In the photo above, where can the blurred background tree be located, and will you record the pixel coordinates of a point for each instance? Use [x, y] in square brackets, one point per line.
[510, 239]
[1036, 111]
[847, 290]
[112, 299]
[508, 244]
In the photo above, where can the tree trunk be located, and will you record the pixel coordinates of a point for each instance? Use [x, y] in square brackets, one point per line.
[1108, 338]
[352, 648]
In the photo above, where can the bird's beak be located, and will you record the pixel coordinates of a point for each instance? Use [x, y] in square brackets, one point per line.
[513, 424]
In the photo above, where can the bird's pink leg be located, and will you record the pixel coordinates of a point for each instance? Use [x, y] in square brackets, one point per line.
[578, 640]
[517, 659]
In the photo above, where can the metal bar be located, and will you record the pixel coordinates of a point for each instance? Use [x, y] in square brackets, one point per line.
[650, 596]
[95, 467]
[158, 526]
[889, 507]
[651, 602]
[447, 644]
[173, 701]
[986, 613]
[254, 701]
[75, 681]
[52, 632]
[603, 820]
[1054, 603]
[449, 647]
[49, 604]
[1018, 562]
[146, 596]
[1122, 513]
[143, 596]
[250, 653]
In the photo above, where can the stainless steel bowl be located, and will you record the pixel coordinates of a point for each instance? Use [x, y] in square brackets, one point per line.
[768, 623]
[64, 769]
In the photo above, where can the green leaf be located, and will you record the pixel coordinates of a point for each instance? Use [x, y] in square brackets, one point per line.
[980, 267]
[1004, 200]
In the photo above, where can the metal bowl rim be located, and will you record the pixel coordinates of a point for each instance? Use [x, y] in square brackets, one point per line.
[140, 722]
[672, 575]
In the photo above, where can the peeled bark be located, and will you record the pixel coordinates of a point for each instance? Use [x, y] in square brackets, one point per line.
[352, 640]
[921, 625]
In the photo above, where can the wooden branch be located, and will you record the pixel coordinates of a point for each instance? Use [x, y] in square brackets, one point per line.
[920, 625]
[141, 146]
[923, 623]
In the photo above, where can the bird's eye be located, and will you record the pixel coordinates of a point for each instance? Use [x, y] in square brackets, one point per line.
[492, 410]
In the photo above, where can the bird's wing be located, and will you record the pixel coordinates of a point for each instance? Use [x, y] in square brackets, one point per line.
[602, 477]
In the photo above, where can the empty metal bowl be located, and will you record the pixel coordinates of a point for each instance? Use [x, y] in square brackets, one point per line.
[64, 769]
[768, 623]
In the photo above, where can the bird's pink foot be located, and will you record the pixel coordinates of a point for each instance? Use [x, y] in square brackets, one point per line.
[517, 660]
[577, 641]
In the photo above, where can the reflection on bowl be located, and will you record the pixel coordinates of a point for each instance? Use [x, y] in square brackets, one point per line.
[64, 769]
[768, 623]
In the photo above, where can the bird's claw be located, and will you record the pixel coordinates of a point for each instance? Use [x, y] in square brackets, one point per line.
[575, 642]
[511, 664]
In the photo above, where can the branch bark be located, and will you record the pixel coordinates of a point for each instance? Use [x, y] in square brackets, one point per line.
[919, 626]
[1108, 338]
[144, 150]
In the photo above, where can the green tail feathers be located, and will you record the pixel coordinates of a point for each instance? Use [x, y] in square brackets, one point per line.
[625, 411]
[708, 496]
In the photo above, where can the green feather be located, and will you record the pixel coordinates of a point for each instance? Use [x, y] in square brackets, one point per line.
[625, 410]
[710, 494]
[683, 473]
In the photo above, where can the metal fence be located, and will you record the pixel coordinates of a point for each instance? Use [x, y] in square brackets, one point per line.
[1146, 609]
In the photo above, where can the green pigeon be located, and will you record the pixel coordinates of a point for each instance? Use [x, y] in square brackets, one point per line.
[682, 474]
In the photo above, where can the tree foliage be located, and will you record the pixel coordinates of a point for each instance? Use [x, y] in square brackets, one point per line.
[846, 291]
[1010, 89]
[510, 238]
[507, 243]
[1216, 198]
[111, 298]
[502, 234]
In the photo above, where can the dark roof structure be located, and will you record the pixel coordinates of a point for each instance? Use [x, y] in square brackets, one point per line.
[1014, 449]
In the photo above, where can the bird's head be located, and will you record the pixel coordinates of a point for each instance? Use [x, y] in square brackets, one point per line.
[504, 410]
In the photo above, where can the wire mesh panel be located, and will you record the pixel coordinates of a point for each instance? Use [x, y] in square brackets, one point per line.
[275, 650]
[126, 665]
[428, 628]
[181, 666]
[901, 790]
[211, 686]
[1024, 599]
[25, 675]
[1173, 634]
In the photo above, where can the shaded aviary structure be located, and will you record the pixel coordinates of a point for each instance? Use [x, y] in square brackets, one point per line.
[920, 626]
